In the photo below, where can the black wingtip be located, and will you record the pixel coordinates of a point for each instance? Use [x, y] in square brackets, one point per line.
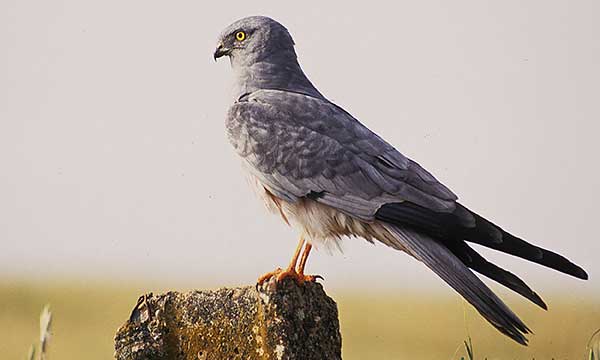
[538, 301]
[581, 274]
[571, 269]
[475, 261]
[518, 336]
[518, 247]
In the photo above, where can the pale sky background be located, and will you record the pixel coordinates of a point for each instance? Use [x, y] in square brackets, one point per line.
[114, 162]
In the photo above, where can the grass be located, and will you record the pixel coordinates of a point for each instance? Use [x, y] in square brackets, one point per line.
[45, 323]
[374, 326]
[594, 346]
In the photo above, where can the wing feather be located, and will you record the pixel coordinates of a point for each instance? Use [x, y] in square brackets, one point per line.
[298, 145]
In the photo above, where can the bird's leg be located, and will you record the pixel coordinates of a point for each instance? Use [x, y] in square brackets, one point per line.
[291, 269]
[297, 273]
[304, 257]
[302, 265]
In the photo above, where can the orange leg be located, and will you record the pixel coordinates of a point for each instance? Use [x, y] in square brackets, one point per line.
[302, 265]
[294, 261]
[303, 259]
[290, 269]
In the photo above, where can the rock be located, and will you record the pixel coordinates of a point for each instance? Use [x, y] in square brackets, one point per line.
[274, 321]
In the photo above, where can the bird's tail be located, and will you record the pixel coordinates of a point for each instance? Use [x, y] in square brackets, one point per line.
[453, 271]
[464, 224]
[483, 234]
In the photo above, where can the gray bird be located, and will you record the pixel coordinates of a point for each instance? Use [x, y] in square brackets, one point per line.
[327, 174]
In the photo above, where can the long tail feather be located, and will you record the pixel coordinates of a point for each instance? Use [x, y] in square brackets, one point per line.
[511, 244]
[453, 271]
[463, 224]
[476, 262]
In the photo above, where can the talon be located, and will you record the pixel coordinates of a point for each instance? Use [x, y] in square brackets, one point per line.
[312, 278]
[280, 275]
[290, 273]
[299, 278]
[294, 271]
[261, 280]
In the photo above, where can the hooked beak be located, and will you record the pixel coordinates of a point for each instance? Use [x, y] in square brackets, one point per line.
[221, 51]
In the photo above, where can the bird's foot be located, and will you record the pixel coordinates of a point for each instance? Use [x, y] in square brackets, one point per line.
[281, 275]
[266, 277]
[299, 278]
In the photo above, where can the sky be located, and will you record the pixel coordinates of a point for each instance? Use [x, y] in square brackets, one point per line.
[114, 162]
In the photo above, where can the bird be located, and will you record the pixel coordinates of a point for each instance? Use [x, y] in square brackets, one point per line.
[330, 177]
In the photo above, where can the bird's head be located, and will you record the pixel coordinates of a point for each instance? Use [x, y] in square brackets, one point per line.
[253, 39]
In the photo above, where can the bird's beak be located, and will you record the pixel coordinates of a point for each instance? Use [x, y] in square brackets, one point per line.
[220, 51]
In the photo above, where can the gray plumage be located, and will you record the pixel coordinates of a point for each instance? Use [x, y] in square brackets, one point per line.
[298, 145]
[322, 169]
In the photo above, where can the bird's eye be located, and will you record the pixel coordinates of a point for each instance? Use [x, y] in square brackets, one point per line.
[240, 36]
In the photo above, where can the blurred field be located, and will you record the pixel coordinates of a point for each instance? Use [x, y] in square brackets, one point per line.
[374, 326]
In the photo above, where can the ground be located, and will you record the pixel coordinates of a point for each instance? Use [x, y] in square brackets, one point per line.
[415, 325]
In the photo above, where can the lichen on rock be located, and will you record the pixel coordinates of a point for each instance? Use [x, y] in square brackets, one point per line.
[284, 321]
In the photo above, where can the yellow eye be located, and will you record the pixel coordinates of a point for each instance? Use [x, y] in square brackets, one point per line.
[240, 36]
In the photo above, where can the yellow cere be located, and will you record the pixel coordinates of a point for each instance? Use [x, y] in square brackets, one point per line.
[240, 36]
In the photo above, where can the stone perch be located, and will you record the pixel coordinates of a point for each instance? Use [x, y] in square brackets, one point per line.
[282, 322]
